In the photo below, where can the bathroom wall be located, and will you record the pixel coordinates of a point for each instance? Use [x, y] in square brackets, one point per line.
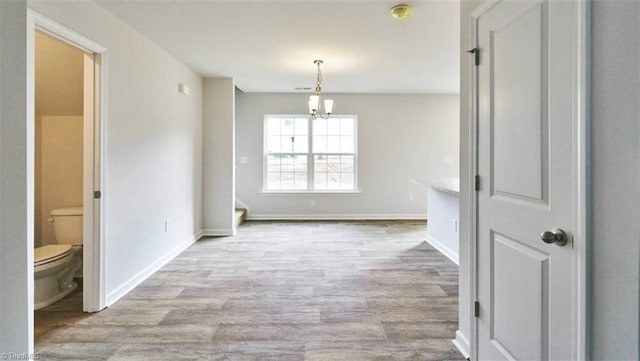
[59, 72]
[59, 77]
[59, 170]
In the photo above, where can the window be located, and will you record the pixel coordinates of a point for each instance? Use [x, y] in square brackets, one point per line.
[305, 155]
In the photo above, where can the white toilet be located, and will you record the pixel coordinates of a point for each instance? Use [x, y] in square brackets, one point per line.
[56, 265]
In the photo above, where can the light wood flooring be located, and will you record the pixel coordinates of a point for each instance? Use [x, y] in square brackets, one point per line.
[276, 291]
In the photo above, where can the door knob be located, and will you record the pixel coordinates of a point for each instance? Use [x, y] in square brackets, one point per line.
[557, 236]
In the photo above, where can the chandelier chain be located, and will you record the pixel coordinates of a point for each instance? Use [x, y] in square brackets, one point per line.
[319, 77]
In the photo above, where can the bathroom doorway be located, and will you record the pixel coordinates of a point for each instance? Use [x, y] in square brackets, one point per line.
[66, 139]
[58, 171]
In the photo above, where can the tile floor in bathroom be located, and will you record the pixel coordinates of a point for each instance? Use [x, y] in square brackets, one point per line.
[276, 291]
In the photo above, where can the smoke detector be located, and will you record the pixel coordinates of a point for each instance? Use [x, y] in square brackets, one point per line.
[401, 12]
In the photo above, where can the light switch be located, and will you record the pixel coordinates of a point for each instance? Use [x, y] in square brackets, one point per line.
[244, 160]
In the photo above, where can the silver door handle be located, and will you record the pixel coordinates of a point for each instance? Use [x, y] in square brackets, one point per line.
[557, 236]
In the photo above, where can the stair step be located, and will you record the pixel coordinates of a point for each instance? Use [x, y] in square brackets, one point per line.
[241, 215]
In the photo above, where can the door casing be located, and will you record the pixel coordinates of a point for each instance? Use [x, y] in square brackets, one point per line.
[581, 170]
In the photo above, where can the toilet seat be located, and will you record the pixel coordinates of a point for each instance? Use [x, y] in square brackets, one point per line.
[51, 253]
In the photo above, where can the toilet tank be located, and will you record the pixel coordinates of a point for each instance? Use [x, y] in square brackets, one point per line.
[67, 225]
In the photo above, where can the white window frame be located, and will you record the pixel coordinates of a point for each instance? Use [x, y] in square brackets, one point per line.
[310, 157]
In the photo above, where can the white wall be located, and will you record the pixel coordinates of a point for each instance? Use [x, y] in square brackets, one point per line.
[153, 145]
[219, 170]
[400, 137]
[616, 180]
[16, 237]
[615, 254]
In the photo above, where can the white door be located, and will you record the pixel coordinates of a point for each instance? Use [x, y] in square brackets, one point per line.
[526, 82]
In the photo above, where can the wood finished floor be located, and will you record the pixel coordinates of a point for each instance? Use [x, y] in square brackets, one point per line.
[276, 291]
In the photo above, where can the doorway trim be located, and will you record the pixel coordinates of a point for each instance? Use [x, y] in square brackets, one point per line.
[581, 171]
[94, 150]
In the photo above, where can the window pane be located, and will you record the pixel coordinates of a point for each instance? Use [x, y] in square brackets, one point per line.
[333, 144]
[286, 143]
[301, 126]
[273, 163]
[287, 180]
[346, 164]
[320, 164]
[346, 126]
[273, 144]
[333, 126]
[346, 181]
[333, 181]
[346, 144]
[301, 164]
[320, 180]
[273, 126]
[333, 163]
[288, 126]
[301, 144]
[320, 126]
[300, 181]
[320, 144]
[287, 163]
[273, 181]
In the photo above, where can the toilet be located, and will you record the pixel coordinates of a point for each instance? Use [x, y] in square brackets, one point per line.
[56, 265]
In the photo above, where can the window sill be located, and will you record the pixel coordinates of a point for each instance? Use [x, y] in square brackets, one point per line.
[313, 193]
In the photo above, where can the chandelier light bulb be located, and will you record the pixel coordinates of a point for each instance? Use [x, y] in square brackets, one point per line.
[328, 105]
[314, 101]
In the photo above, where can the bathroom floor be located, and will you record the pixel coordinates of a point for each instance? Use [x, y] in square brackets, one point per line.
[60, 314]
[276, 291]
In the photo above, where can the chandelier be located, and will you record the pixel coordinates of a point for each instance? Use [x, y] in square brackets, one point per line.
[314, 100]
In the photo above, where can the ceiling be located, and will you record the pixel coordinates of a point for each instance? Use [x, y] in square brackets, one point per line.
[270, 45]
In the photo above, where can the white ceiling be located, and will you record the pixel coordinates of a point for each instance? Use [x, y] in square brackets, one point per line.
[270, 45]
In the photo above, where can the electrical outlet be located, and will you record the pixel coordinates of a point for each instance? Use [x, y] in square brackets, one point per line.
[166, 225]
[455, 225]
[410, 196]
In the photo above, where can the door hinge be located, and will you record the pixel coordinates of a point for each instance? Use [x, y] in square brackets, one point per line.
[476, 309]
[97, 194]
[476, 54]
[476, 184]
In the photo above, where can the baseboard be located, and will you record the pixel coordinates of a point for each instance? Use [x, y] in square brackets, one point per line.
[334, 217]
[462, 344]
[453, 256]
[198, 235]
[119, 292]
[216, 232]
